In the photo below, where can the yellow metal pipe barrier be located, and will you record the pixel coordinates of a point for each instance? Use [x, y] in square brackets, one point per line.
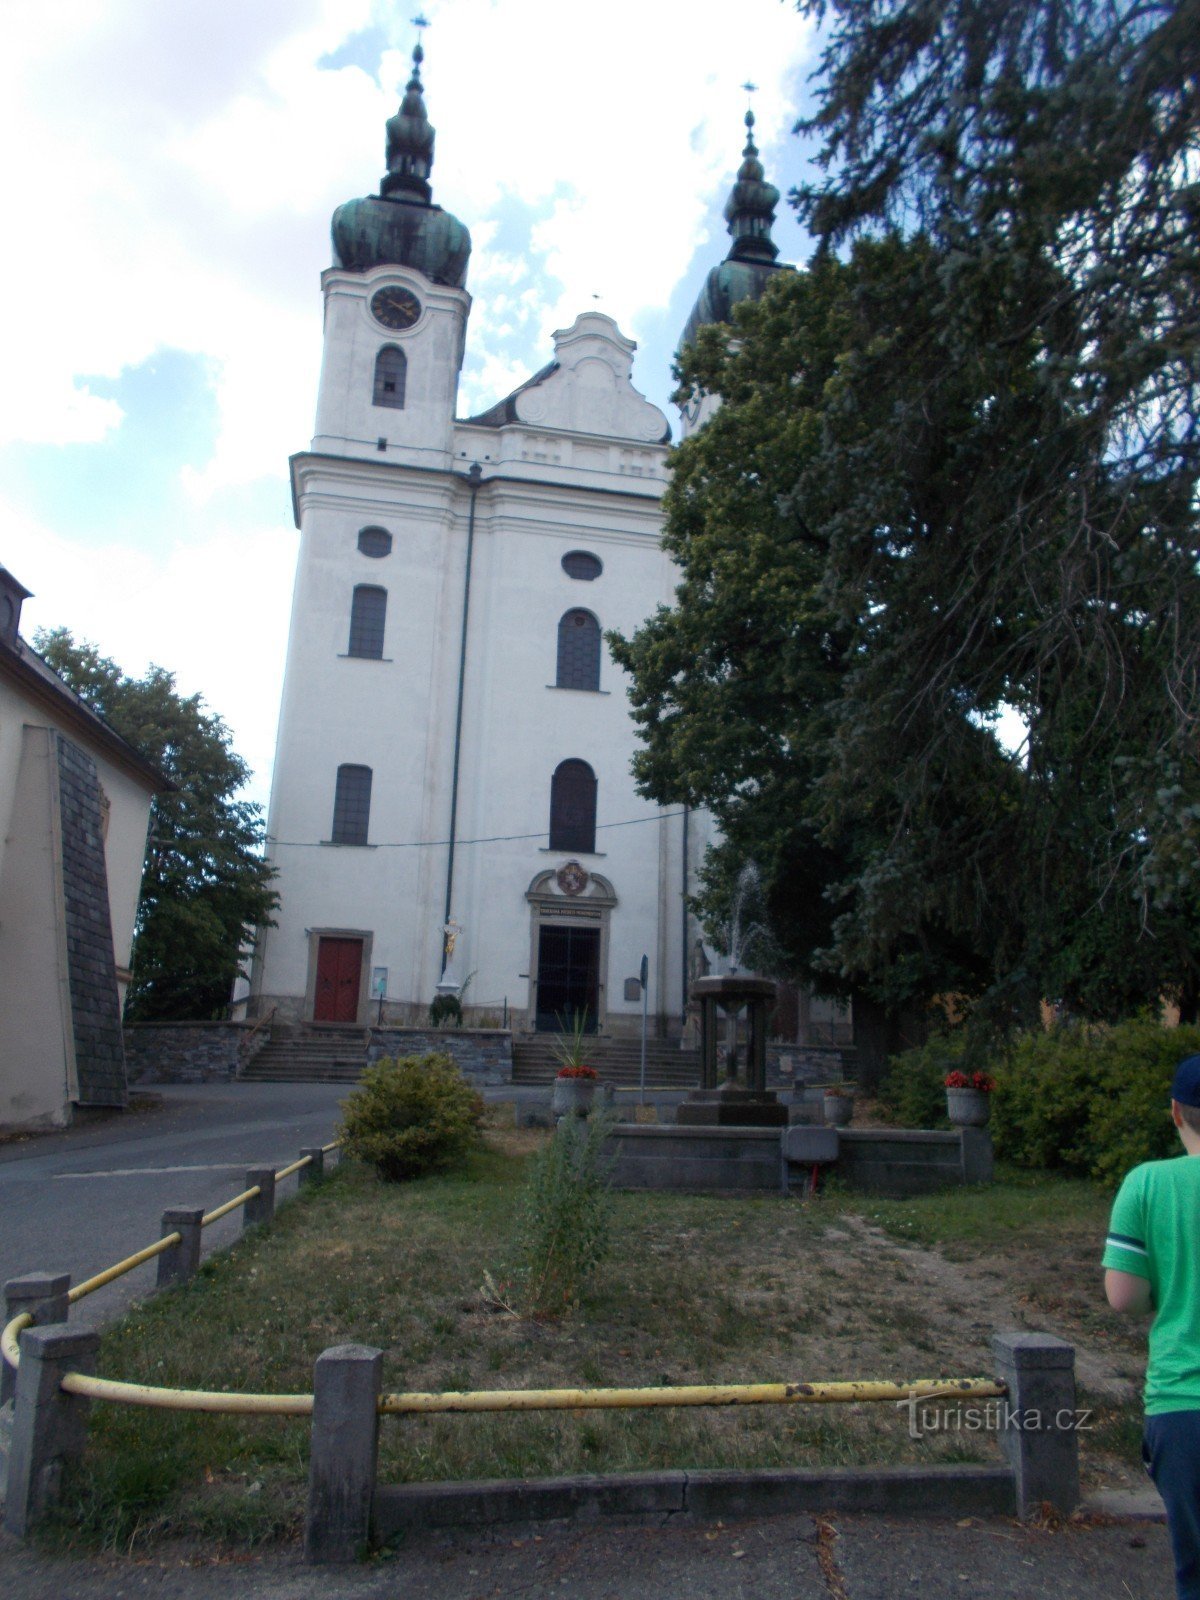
[145, 1394]
[10, 1339]
[230, 1205]
[725, 1394]
[90, 1285]
[286, 1172]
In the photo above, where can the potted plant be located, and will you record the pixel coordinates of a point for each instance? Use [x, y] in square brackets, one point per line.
[575, 1083]
[968, 1103]
[838, 1105]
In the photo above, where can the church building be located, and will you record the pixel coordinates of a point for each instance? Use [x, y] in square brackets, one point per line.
[452, 808]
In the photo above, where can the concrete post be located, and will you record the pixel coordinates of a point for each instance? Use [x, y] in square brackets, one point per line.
[179, 1263]
[1038, 1419]
[49, 1427]
[978, 1164]
[44, 1296]
[262, 1207]
[315, 1171]
[342, 1461]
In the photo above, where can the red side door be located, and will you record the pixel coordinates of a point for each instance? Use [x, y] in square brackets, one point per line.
[339, 974]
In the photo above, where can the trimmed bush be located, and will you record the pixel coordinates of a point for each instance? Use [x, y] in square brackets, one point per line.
[913, 1087]
[1089, 1099]
[411, 1116]
[1083, 1098]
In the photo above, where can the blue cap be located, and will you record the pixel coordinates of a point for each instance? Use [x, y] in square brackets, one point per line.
[1185, 1086]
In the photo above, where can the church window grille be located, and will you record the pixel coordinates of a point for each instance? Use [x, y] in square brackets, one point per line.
[573, 807]
[391, 372]
[375, 542]
[582, 564]
[368, 612]
[578, 651]
[352, 805]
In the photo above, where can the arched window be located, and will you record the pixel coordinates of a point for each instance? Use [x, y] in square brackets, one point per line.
[390, 371]
[368, 611]
[582, 564]
[375, 542]
[573, 807]
[352, 805]
[578, 651]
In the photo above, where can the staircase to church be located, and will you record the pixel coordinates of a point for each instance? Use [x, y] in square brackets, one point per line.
[615, 1060]
[325, 1055]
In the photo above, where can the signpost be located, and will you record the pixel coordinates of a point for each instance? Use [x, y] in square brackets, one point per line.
[644, 975]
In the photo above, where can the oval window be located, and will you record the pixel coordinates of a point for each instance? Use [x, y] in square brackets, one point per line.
[582, 564]
[375, 542]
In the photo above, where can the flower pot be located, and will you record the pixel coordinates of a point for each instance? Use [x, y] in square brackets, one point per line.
[968, 1108]
[838, 1108]
[572, 1096]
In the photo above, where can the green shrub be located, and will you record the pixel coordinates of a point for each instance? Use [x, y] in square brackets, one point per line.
[1090, 1099]
[913, 1091]
[411, 1116]
[445, 1008]
[565, 1219]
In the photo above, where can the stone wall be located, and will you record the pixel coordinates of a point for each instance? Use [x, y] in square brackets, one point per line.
[91, 968]
[809, 1063]
[482, 1054]
[190, 1052]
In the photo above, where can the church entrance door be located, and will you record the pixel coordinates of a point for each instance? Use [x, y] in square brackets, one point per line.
[568, 978]
[339, 974]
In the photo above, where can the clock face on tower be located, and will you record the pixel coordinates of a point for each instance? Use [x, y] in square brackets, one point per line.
[395, 308]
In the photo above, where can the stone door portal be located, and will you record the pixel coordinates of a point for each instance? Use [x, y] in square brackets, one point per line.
[339, 975]
[568, 975]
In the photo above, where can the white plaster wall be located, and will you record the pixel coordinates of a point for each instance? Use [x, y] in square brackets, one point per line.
[545, 491]
[348, 422]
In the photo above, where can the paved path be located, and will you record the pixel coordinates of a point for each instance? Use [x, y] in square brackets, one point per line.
[79, 1200]
[784, 1558]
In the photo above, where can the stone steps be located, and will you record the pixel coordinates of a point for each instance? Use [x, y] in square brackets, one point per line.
[615, 1060]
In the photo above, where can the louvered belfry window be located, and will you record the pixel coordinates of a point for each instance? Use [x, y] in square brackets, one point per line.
[573, 807]
[352, 805]
[368, 613]
[391, 372]
[578, 651]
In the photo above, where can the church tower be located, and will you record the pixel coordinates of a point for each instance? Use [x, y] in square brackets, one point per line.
[452, 806]
[747, 269]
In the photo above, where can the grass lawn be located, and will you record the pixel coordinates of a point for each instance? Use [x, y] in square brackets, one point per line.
[698, 1289]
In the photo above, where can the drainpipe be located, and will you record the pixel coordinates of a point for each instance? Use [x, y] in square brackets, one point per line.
[473, 480]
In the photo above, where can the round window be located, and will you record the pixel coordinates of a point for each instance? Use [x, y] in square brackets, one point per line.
[582, 564]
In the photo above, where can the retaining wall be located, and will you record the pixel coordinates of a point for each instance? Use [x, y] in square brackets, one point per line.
[189, 1052]
[484, 1055]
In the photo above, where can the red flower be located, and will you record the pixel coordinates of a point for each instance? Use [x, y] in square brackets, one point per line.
[576, 1072]
[978, 1080]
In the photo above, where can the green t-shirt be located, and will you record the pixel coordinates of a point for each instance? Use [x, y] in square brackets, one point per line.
[1155, 1234]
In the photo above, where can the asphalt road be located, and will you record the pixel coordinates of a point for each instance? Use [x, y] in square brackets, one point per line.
[783, 1558]
[80, 1200]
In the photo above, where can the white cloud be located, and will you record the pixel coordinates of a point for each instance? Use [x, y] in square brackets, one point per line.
[171, 173]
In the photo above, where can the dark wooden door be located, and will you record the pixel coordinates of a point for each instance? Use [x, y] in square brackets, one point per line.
[339, 974]
[568, 978]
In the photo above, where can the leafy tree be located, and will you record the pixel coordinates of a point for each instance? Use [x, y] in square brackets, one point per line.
[205, 884]
[954, 476]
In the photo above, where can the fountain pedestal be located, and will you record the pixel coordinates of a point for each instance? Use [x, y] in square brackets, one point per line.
[734, 1099]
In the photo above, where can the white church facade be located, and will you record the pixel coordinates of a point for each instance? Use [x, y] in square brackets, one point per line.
[452, 806]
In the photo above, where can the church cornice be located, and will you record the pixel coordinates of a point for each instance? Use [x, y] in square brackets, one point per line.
[365, 468]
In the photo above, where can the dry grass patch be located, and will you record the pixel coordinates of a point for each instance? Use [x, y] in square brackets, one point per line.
[699, 1289]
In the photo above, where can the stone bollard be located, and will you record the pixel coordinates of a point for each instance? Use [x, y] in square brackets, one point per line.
[315, 1170]
[342, 1460]
[49, 1427]
[180, 1262]
[1038, 1430]
[44, 1296]
[262, 1207]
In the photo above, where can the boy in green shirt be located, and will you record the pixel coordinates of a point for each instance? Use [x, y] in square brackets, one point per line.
[1152, 1262]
